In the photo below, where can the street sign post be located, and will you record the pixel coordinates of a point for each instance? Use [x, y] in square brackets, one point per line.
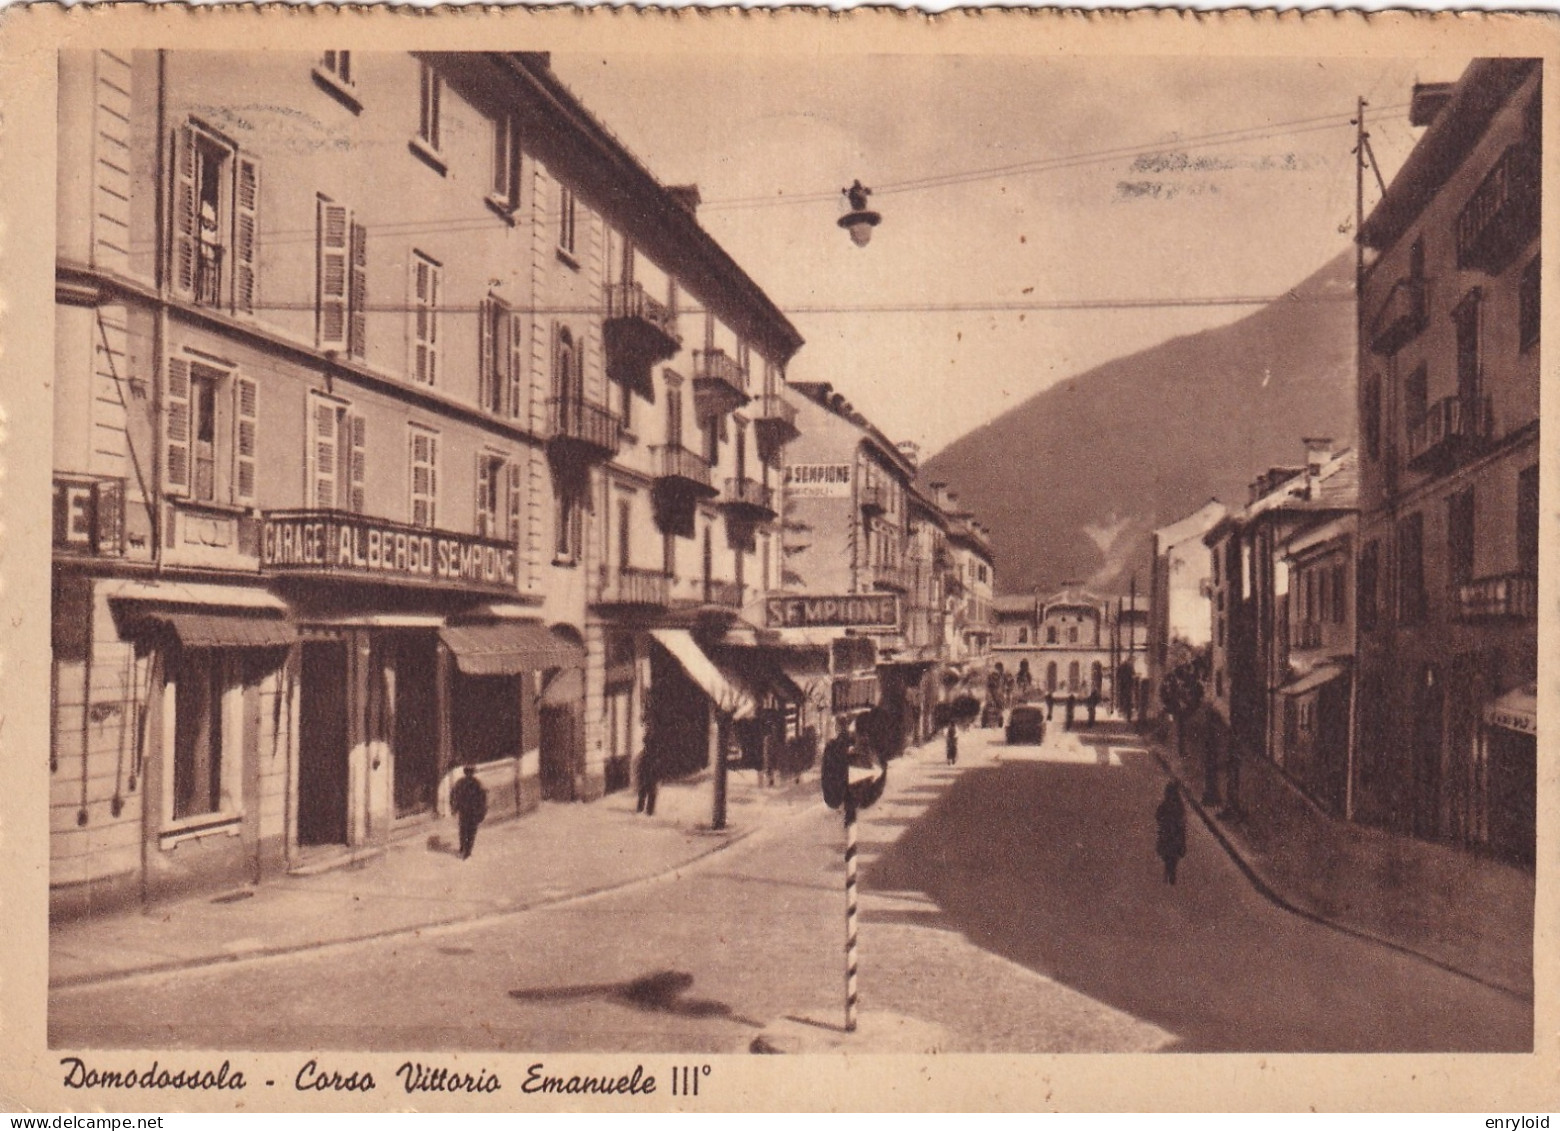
[849, 785]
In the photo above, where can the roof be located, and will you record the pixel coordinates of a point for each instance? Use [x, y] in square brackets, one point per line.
[1194, 525]
[822, 394]
[1335, 490]
[1013, 603]
[1478, 95]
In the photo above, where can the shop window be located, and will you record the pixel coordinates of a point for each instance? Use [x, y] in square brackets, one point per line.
[426, 283]
[216, 207]
[341, 279]
[424, 485]
[197, 738]
[506, 164]
[210, 432]
[336, 460]
[500, 358]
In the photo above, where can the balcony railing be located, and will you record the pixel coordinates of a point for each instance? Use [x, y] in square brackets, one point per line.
[639, 331]
[208, 274]
[638, 588]
[775, 419]
[1501, 217]
[895, 577]
[726, 594]
[577, 427]
[1308, 634]
[1400, 318]
[1506, 595]
[874, 500]
[719, 383]
[1452, 425]
[680, 469]
[748, 496]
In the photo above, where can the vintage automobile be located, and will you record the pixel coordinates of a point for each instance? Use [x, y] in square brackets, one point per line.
[1026, 725]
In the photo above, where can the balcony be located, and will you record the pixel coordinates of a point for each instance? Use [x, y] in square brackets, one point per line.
[639, 331]
[681, 471]
[892, 577]
[953, 583]
[1501, 217]
[1452, 427]
[1506, 596]
[579, 430]
[774, 418]
[1401, 317]
[1308, 634]
[874, 500]
[719, 383]
[718, 594]
[634, 589]
[748, 498]
[208, 274]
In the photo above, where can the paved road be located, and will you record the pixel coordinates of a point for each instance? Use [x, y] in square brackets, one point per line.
[1013, 903]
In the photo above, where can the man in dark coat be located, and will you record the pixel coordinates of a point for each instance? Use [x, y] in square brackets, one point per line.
[1094, 703]
[469, 801]
[1067, 716]
[953, 744]
[1050, 704]
[649, 783]
[1171, 820]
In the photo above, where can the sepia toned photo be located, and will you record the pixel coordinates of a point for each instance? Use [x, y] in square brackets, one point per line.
[622, 561]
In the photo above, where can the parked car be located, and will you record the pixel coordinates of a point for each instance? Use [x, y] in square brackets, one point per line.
[991, 714]
[1026, 725]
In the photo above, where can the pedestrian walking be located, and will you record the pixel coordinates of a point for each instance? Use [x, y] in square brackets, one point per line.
[953, 744]
[649, 783]
[1050, 704]
[1068, 708]
[1171, 820]
[469, 801]
[1094, 703]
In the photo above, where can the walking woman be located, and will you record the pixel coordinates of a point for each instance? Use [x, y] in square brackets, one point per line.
[1171, 819]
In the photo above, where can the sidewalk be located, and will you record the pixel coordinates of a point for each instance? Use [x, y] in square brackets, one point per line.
[1463, 912]
[558, 852]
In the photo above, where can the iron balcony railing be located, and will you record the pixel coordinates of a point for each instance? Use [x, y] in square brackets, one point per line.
[580, 423]
[208, 275]
[638, 587]
[1506, 595]
[1502, 215]
[1401, 317]
[718, 365]
[726, 594]
[748, 494]
[874, 499]
[632, 301]
[775, 418]
[676, 464]
[1308, 634]
[895, 577]
[1449, 422]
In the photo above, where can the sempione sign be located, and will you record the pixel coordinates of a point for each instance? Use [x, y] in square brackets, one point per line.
[848, 610]
[334, 543]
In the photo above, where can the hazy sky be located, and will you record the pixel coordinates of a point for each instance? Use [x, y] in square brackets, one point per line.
[1071, 180]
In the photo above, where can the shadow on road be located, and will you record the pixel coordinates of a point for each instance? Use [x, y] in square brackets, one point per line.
[661, 992]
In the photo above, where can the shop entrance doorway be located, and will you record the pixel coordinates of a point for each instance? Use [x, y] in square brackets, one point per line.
[322, 744]
[416, 722]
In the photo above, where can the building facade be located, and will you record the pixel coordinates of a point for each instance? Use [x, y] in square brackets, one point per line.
[1180, 588]
[1449, 524]
[367, 460]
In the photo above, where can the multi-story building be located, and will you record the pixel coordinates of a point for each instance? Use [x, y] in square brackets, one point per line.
[1449, 424]
[370, 457]
[1179, 624]
[1073, 642]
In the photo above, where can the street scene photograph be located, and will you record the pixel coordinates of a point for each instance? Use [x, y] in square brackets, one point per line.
[690, 552]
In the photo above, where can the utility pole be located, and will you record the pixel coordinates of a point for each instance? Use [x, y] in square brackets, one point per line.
[1359, 195]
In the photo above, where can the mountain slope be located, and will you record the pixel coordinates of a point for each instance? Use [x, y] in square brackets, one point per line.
[1073, 481]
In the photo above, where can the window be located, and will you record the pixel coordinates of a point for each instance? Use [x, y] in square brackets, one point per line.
[1370, 569]
[1411, 568]
[1023, 636]
[1416, 396]
[216, 212]
[566, 219]
[1459, 538]
[674, 418]
[568, 523]
[711, 427]
[764, 551]
[1372, 418]
[506, 164]
[1527, 521]
[426, 282]
[210, 422]
[1466, 317]
[341, 279]
[568, 367]
[1050, 634]
[424, 464]
[501, 358]
[625, 517]
[336, 460]
[339, 64]
[197, 733]
[626, 406]
[1529, 313]
[1072, 634]
[669, 554]
[428, 113]
[498, 497]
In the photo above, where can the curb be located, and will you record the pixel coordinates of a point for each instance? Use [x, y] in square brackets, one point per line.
[81, 981]
[1274, 896]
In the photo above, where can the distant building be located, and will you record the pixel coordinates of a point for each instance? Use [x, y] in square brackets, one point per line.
[1073, 641]
[1179, 591]
[1449, 471]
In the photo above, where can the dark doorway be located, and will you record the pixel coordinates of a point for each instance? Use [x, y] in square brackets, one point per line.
[416, 722]
[558, 725]
[1332, 744]
[486, 717]
[322, 744]
[1427, 754]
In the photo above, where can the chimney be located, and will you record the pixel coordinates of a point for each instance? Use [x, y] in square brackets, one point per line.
[686, 196]
[1427, 101]
[911, 451]
[1318, 451]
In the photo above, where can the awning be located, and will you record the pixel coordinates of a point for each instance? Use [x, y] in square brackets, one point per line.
[760, 670]
[509, 649]
[723, 686]
[234, 630]
[181, 593]
[1516, 710]
[1324, 673]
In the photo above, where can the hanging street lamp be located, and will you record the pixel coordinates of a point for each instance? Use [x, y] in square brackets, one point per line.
[860, 220]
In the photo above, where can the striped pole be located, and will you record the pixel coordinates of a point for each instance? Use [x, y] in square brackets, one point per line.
[850, 915]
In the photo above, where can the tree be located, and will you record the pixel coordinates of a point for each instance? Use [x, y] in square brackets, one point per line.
[1181, 691]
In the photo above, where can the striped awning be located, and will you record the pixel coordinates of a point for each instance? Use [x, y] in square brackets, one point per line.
[230, 630]
[1325, 673]
[509, 649]
[724, 687]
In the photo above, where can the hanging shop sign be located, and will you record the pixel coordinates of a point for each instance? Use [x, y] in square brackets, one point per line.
[818, 480]
[850, 610]
[338, 544]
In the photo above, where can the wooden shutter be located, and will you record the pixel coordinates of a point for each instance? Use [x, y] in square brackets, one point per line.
[358, 468]
[246, 227]
[182, 255]
[486, 352]
[516, 367]
[433, 480]
[422, 319]
[512, 499]
[498, 378]
[176, 427]
[357, 294]
[331, 252]
[324, 449]
[246, 421]
[433, 323]
[485, 517]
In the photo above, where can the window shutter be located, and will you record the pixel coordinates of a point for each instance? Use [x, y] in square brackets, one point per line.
[485, 518]
[498, 378]
[357, 294]
[246, 420]
[359, 465]
[419, 284]
[176, 426]
[486, 353]
[331, 255]
[246, 227]
[516, 364]
[433, 324]
[183, 250]
[419, 478]
[325, 449]
[433, 480]
[513, 499]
